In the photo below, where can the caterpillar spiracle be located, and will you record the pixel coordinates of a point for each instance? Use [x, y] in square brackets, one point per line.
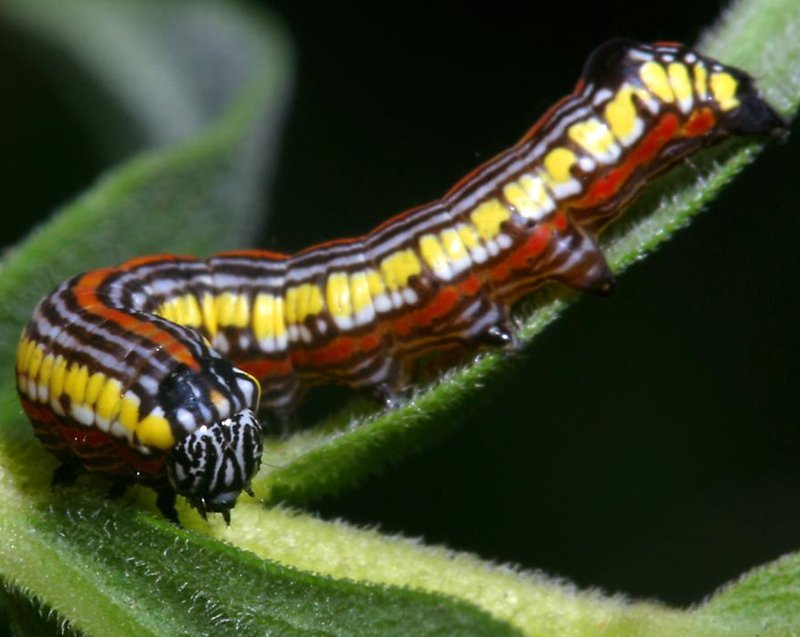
[153, 370]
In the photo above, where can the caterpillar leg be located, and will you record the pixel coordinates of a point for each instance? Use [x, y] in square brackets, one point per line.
[279, 422]
[165, 501]
[280, 397]
[500, 335]
[387, 394]
[388, 379]
[117, 489]
[65, 474]
[576, 260]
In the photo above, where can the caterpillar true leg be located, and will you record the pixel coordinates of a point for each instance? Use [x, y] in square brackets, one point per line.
[66, 473]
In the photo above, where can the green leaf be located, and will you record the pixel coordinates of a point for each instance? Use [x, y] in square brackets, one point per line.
[110, 570]
[769, 595]
[112, 567]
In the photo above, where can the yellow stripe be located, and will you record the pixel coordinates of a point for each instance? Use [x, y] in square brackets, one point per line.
[302, 301]
[558, 164]
[537, 192]
[359, 291]
[46, 371]
[108, 401]
[701, 80]
[620, 113]
[154, 430]
[58, 378]
[27, 352]
[399, 267]
[433, 253]
[655, 78]
[194, 315]
[517, 196]
[226, 306]
[36, 362]
[593, 136]
[488, 217]
[23, 343]
[264, 316]
[723, 86]
[468, 236]
[279, 318]
[241, 313]
[166, 311]
[376, 284]
[75, 385]
[93, 387]
[337, 294]
[679, 81]
[453, 245]
[129, 411]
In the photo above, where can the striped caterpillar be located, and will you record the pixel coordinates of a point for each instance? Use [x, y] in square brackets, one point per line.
[152, 371]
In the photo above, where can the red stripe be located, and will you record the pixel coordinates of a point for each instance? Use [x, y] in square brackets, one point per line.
[85, 293]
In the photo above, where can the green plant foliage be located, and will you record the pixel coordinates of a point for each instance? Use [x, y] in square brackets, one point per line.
[210, 178]
[115, 568]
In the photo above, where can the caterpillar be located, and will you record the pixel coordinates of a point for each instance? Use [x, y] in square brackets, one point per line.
[152, 371]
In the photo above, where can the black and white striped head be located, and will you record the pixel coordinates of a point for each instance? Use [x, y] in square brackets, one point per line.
[213, 465]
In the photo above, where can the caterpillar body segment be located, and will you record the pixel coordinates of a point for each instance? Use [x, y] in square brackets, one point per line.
[152, 371]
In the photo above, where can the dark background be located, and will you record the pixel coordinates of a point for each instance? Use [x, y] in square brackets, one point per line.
[644, 444]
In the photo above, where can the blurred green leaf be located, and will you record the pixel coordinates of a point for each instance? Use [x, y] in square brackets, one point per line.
[769, 595]
[207, 190]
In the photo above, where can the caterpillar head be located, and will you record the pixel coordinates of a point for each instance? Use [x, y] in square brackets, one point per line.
[218, 443]
[213, 465]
